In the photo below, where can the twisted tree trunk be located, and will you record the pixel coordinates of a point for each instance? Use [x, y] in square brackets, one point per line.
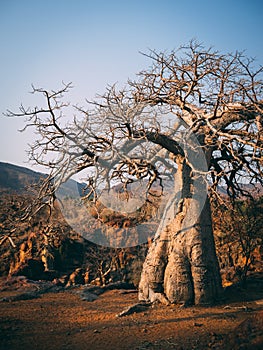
[181, 265]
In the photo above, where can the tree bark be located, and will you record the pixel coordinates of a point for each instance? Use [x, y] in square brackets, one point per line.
[181, 265]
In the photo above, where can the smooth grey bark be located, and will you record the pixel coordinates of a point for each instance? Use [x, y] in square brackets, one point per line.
[181, 265]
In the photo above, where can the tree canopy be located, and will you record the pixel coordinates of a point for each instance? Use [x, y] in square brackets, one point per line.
[217, 97]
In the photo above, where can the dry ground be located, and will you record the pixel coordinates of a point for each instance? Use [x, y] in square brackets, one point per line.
[62, 321]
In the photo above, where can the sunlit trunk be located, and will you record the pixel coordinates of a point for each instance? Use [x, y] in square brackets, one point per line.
[181, 265]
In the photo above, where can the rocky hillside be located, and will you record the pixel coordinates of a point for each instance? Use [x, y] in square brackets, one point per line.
[48, 249]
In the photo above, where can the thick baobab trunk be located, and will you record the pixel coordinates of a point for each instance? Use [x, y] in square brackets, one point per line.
[181, 265]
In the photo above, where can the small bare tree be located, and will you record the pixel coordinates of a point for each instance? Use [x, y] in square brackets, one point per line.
[195, 117]
[239, 233]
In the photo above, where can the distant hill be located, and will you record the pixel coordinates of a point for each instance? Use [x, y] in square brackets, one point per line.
[18, 179]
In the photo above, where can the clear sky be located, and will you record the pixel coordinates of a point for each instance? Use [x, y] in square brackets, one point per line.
[95, 43]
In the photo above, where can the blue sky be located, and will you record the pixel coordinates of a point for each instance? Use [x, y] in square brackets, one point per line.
[95, 43]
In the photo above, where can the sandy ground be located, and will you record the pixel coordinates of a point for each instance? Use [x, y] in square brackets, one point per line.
[64, 321]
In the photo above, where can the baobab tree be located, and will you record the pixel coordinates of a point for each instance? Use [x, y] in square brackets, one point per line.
[194, 117]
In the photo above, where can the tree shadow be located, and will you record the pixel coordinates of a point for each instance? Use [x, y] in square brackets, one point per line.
[249, 290]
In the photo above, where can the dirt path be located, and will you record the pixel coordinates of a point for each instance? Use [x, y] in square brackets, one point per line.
[62, 321]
